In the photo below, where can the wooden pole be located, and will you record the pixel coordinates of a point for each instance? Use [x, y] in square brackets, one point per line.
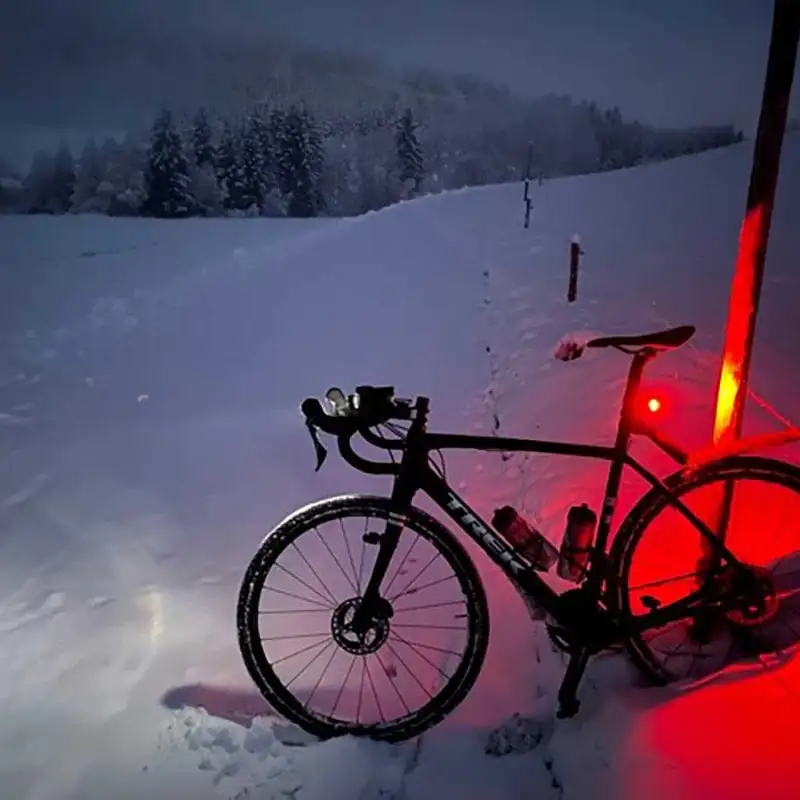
[575, 253]
[526, 196]
[746, 287]
[753, 237]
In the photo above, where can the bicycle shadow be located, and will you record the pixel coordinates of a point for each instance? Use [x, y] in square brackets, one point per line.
[237, 705]
[731, 660]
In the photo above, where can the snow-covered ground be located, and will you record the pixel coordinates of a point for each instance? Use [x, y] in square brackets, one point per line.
[149, 380]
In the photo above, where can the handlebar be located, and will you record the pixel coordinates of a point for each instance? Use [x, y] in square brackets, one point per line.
[369, 407]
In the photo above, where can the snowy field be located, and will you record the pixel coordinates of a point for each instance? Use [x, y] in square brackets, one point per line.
[150, 375]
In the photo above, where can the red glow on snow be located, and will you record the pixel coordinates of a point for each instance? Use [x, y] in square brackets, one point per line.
[741, 310]
[732, 729]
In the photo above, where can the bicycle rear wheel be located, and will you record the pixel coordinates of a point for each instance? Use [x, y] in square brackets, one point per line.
[657, 555]
[301, 590]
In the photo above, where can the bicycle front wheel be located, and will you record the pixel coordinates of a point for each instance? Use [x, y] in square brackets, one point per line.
[661, 558]
[403, 675]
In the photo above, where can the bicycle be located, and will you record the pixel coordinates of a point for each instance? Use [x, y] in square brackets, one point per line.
[594, 616]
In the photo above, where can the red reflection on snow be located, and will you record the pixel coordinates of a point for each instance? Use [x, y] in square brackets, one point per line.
[731, 728]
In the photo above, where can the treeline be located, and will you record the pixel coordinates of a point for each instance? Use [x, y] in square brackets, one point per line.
[289, 161]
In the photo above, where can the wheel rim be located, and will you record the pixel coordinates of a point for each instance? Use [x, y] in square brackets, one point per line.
[376, 669]
[750, 621]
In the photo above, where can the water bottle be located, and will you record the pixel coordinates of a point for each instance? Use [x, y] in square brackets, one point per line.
[525, 539]
[576, 547]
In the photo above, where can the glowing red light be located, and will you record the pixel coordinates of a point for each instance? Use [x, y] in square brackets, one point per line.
[741, 319]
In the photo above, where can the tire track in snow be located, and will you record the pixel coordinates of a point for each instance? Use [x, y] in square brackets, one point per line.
[491, 392]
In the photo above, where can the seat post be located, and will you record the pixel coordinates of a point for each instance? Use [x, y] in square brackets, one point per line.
[638, 363]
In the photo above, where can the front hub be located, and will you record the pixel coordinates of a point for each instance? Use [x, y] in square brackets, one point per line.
[368, 637]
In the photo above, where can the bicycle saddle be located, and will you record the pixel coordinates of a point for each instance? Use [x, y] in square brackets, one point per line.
[660, 340]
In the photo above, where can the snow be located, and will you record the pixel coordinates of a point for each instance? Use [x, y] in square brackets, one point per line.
[149, 384]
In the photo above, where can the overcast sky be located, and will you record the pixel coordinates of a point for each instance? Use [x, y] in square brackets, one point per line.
[664, 61]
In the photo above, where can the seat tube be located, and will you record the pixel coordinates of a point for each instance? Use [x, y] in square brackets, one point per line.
[623, 437]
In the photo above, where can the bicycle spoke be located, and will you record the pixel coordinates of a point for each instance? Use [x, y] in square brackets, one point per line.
[308, 586]
[431, 627]
[374, 691]
[664, 581]
[416, 577]
[401, 565]
[392, 682]
[297, 653]
[315, 574]
[321, 676]
[423, 656]
[350, 557]
[410, 672]
[294, 611]
[338, 564]
[424, 586]
[361, 690]
[341, 689]
[293, 636]
[425, 646]
[431, 605]
[313, 660]
[299, 597]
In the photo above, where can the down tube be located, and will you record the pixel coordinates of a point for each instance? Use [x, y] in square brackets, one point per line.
[493, 545]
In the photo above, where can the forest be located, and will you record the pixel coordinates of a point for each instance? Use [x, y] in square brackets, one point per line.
[291, 156]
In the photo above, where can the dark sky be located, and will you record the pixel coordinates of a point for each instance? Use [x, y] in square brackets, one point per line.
[664, 61]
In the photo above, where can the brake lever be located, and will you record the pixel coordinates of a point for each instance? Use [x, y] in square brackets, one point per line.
[319, 448]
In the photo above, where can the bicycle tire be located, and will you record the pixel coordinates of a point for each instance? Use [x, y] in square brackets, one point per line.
[631, 531]
[262, 672]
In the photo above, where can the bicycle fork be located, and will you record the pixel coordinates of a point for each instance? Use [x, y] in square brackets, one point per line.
[373, 605]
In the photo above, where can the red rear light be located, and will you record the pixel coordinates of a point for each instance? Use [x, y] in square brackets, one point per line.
[654, 405]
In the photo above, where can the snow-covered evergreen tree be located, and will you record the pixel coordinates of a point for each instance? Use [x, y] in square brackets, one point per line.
[90, 174]
[204, 181]
[229, 168]
[63, 185]
[300, 162]
[11, 189]
[167, 182]
[409, 154]
[206, 190]
[254, 163]
[202, 140]
[38, 184]
[315, 157]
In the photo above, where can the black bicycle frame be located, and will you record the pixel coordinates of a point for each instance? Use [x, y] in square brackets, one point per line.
[415, 474]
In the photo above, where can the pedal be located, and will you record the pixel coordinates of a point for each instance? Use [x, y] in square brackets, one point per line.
[371, 538]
